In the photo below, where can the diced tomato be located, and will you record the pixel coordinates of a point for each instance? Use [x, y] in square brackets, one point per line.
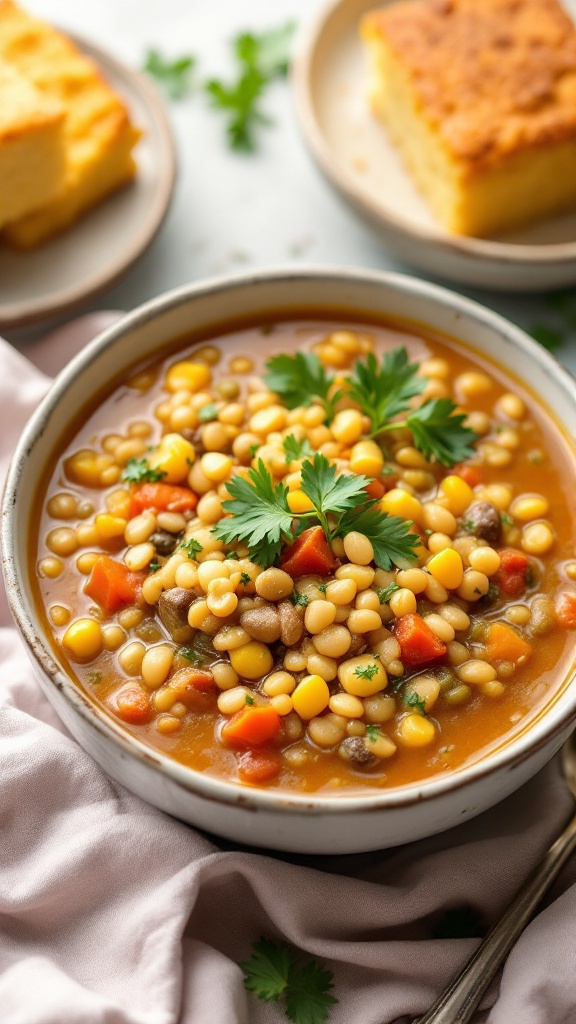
[252, 726]
[470, 474]
[309, 555]
[505, 644]
[512, 575]
[163, 498]
[258, 766]
[566, 610]
[418, 644]
[375, 489]
[132, 704]
[112, 585]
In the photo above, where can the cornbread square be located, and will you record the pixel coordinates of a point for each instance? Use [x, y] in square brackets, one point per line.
[98, 135]
[31, 146]
[479, 96]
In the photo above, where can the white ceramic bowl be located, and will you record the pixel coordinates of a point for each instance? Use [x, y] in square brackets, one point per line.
[301, 823]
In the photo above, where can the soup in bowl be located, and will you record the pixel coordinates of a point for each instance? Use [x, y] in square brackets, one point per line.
[315, 558]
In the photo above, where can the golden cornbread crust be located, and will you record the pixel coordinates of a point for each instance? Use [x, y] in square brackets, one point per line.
[492, 77]
[98, 135]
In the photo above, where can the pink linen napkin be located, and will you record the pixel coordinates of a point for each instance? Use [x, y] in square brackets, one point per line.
[113, 913]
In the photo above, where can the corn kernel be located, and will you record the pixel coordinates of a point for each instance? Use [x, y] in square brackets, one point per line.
[416, 731]
[311, 696]
[173, 457]
[399, 503]
[188, 375]
[458, 494]
[109, 526]
[252, 661]
[83, 639]
[216, 466]
[446, 567]
[299, 502]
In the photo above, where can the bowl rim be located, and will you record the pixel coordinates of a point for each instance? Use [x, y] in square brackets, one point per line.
[551, 722]
[467, 246]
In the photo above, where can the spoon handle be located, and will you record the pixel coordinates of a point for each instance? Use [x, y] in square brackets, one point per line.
[458, 1001]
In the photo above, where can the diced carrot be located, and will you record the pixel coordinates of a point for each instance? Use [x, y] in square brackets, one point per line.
[112, 585]
[470, 474]
[418, 644]
[200, 680]
[512, 575]
[505, 644]
[132, 705]
[162, 497]
[258, 766]
[252, 726]
[566, 610]
[309, 555]
[375, 489]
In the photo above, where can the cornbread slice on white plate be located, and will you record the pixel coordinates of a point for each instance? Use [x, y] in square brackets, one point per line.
[98, 135]
[31, 145]
[480, 100]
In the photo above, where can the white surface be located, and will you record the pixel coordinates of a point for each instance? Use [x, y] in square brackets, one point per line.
[229, 210]
[331, 81]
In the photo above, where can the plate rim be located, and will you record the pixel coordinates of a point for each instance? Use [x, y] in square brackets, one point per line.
[26, 313]
[557, 254]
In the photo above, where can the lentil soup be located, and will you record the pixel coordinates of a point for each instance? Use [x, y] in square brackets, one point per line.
[348, 564]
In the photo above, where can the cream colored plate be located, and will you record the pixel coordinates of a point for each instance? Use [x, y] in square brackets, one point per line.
[89, 257]
[351, 147]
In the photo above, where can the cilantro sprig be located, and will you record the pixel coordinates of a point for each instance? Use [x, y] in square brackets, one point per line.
[192, 547]
[137, 471]
[274, 970]
[260, 60]
[300, 380]
[261, 518]
[175, 76]
[296, 449]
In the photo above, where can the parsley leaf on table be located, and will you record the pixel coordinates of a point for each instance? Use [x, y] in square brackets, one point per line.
[260, 515]
[273, 970]
[261, 59]
[174, 76]
[299, 379]
[137, 471]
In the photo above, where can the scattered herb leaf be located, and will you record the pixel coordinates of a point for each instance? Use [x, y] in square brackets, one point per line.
[260, 515]
[249, 700]
[295, 449]
[384, 391]
[299, 599]
[192, 547]
[365, 671]
[385, 593]
[373, 732]
[412, 700]
[390, 536]
[322, 587]
[154, 566]
[506, 519]
[174, 75]
[299, 380]
[208, 412]
[274, 970]
[253, 449]
[137, 471]
[245, 578]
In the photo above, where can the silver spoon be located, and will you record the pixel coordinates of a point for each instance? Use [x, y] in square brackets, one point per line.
[458, 1001]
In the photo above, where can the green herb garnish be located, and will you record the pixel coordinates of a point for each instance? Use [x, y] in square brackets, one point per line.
[385, 593]
[322, 587]
[296, 449]
[245, 578]
[262, 519]
[299, 599]
[154, 566]
[365, 671]
[412, 700]
[253, 449]
[173, 75]
[373, 733]
[274, 970]
[137, 471]
[300, 380]
[260, 60]
[506, 519]
[249, 700]
[208, 412]
[192, 547]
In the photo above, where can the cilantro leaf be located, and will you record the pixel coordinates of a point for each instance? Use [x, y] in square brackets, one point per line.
[192, 547]
[437, 429]
[412, 700]
[299, 599]
[385, 593]
[273, 970]
[365, 671]
[389, 535]
[138, 471]
[245, 578]
[299, 379]
[153, 566]
[328, 491]
[373, 733]
[208, 412]
[260, 515]
[200, 651]
[267, 969]
[174, 76]
[308, 998]
[384, 391]
[296, 449]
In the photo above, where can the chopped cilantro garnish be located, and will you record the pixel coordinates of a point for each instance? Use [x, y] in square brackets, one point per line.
[245, 578]
[365, 671]
[412, 700]
[297, 598]
[373, 732]
[154, 566]
[300, 380]
[506, 519]
[173, 75]
[208, 412]
[137, 471]
[322, 587]
[385, 593]
[192, 547]
[274, 970]
[249, 700]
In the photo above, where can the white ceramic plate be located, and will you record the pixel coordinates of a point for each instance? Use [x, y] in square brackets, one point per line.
[86, 259]
[352, 149]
